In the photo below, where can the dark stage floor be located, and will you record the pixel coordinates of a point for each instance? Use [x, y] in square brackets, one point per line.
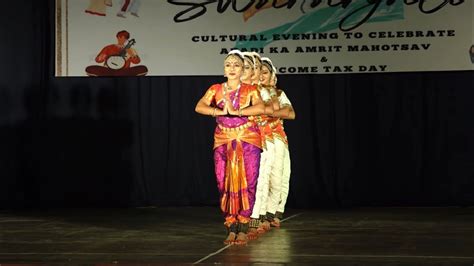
[365, 236]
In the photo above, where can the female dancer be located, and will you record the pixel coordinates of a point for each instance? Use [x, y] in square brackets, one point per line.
[237, 145]
[252, 65]
[281, 170]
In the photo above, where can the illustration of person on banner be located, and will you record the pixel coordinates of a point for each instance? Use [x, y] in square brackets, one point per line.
[131, 6]
[118, 59]
[98, 7]
[237, 145]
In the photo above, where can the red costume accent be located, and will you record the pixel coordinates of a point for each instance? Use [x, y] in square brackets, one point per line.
[125, 6]
[127, 70]
[114, 49]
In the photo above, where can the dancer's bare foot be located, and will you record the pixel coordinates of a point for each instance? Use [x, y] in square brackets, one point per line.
[230, 239]
[275, 222]
[266, 225]
[261, 230]
[252, 233]
[241, 239]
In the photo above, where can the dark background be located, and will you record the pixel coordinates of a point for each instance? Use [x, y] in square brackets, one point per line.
[392, 139]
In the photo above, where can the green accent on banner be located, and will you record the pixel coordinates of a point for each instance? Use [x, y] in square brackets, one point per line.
[328, 19]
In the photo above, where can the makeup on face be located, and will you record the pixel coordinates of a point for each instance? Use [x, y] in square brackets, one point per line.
[265, 75]
[233, 67]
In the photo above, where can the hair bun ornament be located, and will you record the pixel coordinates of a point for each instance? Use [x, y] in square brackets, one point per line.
[236, 53]
[257, 55]
[269, 63]
[266, 59]
[251, 57]
[249, 54]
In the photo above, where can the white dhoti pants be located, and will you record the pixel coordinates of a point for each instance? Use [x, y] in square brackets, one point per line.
[276, 176]
[285, 181]
[266, 164]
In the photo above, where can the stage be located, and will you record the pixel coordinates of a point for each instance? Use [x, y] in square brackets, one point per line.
[187, 235]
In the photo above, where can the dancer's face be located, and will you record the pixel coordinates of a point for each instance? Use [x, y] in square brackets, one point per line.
[233, 67]
[256, 71]
[265, 76]
[248, 71]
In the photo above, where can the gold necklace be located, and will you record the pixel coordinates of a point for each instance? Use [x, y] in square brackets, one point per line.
[236, 96]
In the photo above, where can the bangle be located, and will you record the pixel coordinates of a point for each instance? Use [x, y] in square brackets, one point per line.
[240, 112]
[214, 112]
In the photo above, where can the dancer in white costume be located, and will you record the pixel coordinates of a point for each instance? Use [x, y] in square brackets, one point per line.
[281, 170]
[252, 67]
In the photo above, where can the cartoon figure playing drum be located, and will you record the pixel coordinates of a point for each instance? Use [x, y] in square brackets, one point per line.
[118, 58]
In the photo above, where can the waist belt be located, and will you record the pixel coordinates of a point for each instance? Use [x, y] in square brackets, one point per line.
[231, 129]
[274, 123]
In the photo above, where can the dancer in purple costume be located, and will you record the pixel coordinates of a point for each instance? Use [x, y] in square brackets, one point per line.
[237, 145]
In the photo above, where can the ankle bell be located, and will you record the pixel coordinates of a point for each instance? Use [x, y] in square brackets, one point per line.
[233, 228]
[243, 228]
[270, 216]
[279, 215]
[254, 223]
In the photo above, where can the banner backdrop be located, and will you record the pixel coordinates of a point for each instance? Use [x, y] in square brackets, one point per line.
[150, 37]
